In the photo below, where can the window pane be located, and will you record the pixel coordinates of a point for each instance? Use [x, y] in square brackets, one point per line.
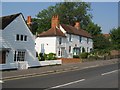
[69, 49]
[17, 37]
[70, 37]
[87, 40]
[21, 56]
[25, 38]
[15, 56]
[21, 37]
[80, 38]
[60, 40]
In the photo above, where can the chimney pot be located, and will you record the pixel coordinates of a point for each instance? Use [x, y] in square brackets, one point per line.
[29, 20]
[55, 21]
[77, 25]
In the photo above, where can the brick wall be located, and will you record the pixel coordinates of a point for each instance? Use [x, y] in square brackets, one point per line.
[70, 60]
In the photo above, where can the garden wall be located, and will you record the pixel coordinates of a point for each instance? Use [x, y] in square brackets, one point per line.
[70, 60]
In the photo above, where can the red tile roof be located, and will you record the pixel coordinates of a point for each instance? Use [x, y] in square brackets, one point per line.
[52, 32]
[106, 35]
[69, 29]
[72, 30]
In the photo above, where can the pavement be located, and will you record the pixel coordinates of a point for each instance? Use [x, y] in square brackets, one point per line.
[58, 68]
[99, 77]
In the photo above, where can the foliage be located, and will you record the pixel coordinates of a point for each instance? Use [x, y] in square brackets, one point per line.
[115, 38]
[75, 56]
[51, 56]
[100, 42]
[93, 29]
[84, 55]
[41, 57]
[92, 57]
[34, 25]
[69, 13]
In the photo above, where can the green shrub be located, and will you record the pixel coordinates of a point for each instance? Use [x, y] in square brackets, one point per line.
[76, 56]
[84, 55]
[41, 57]
[93, 57]
[51, 56]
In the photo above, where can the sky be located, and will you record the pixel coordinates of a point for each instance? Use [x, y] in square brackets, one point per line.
[105, 14]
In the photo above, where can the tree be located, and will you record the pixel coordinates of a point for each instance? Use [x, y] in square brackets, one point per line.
[34, 26]
[69, 13]
[101, 43]
[115, 37]
[93, 29]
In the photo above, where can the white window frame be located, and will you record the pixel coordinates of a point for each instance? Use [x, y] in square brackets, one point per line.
[22, 56]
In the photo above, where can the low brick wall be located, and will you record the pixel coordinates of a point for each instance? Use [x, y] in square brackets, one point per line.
[70, 60]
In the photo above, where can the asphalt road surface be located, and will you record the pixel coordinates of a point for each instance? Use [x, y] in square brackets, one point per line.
[97, 77]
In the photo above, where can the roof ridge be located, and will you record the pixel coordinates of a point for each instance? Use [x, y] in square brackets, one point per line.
[11, 15]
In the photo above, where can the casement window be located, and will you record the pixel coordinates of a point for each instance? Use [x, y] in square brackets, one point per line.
[15, 54]
[21, 37]
[17, 37]
[69, 49]
[25, 38]
[59, 52]
[80, 49]
[87, 40]
[19, 55]
[80, 39]
[60, 40]
[70, 37]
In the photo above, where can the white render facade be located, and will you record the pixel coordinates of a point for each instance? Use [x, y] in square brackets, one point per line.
[63, 47]
[17, 44]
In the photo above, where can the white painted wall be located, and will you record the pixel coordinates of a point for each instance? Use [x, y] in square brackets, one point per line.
[18, 26]
[48, 42]
[53, 44]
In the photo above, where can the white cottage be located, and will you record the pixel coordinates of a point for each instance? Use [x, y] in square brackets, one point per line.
[16, 42]
[64, 40]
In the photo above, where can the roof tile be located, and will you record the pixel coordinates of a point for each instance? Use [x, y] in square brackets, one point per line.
[52, 32]
[6, 20]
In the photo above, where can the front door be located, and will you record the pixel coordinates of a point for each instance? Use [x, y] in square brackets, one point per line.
[2, 57]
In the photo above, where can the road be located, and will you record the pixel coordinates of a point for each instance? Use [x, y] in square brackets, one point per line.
[97, 77]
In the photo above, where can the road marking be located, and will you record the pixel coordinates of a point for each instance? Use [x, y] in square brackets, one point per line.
[90, 66]
[66, 84]
[1, 81]
[109, 72]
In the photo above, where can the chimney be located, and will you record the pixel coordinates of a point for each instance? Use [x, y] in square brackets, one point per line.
[77, 25]
[55, 21]
[29, 22]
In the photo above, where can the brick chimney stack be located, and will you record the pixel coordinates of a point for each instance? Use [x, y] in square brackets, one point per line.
[55, 21]
[77, 25]
[29, 21]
